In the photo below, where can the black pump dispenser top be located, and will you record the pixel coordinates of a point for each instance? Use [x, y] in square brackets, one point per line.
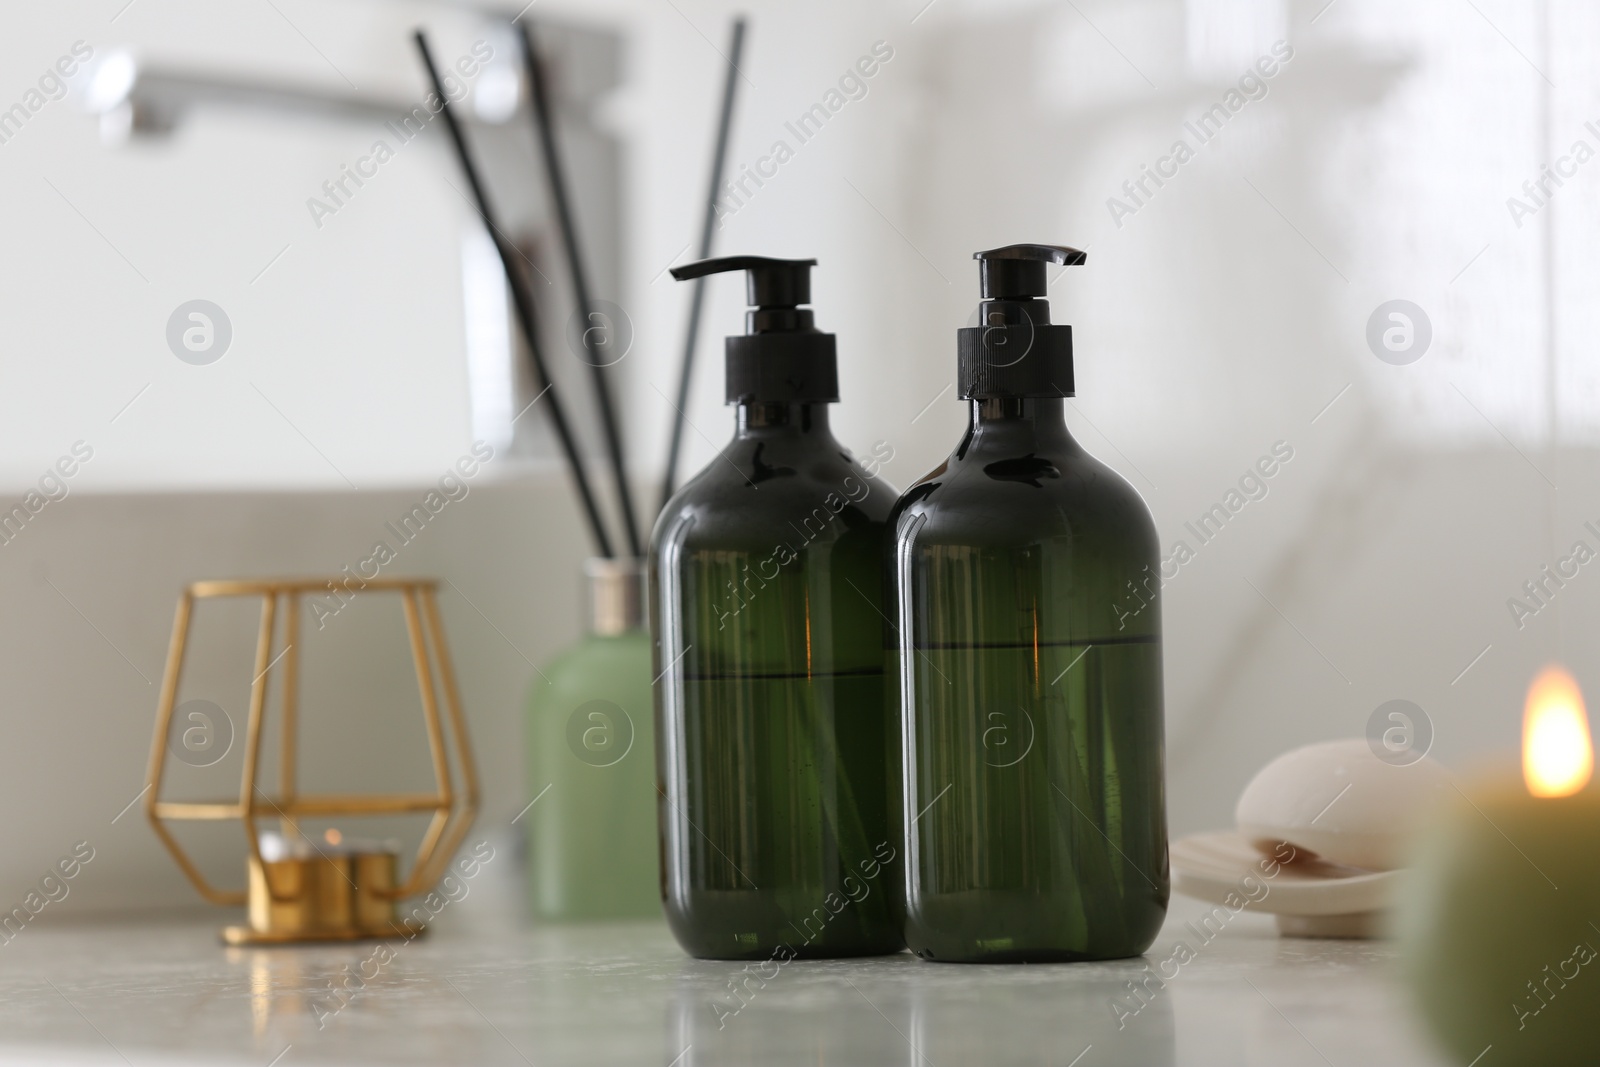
[1016, 352]
[782, 357]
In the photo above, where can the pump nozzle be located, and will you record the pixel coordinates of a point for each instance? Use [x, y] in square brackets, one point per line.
[769, 283]
[782, 356]
[1016, 351]
[1017, 272]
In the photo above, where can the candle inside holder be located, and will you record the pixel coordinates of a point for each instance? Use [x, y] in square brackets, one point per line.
[276, 846]
[329, 887]
[1498, 920]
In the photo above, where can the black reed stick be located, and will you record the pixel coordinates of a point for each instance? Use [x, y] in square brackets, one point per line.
[523, 302]
[719, 158]
[544, 128]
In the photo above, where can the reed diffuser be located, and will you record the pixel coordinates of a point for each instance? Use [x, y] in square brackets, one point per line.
[590, 737]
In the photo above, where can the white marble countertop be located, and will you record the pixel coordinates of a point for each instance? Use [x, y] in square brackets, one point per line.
[169, 993]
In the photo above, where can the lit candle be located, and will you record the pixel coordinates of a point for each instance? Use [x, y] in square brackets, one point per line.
[275, 846]
[1500, 919]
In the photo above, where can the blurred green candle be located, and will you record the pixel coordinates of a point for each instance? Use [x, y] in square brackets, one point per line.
[1498, 921]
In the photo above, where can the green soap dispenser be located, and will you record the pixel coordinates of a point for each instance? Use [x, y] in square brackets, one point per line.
[774, 735]
[1029, 689]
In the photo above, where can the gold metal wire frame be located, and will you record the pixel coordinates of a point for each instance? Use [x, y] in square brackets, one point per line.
[453, 813]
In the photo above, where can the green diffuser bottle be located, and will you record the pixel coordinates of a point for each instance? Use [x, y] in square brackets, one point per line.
[1028, 648]
[592, 826]
[774, 746]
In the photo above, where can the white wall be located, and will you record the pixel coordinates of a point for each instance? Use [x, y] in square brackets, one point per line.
[1221, 317]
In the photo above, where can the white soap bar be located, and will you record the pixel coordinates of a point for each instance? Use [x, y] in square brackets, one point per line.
[1339, 801]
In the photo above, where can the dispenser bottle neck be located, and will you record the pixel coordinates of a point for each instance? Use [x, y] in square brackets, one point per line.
[1018, 424]
[762, 418]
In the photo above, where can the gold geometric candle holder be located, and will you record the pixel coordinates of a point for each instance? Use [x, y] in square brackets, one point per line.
[297, 889]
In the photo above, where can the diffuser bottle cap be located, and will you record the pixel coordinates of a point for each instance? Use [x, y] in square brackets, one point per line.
[1016, 352]
[782, 357]
[616, 591]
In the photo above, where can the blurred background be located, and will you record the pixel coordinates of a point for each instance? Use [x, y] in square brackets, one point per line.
[1367, 255]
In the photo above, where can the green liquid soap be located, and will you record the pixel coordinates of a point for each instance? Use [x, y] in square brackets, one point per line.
[775, 746]
[1028, 658]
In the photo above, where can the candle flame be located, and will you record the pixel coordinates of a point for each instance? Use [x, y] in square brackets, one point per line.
[1557, 756]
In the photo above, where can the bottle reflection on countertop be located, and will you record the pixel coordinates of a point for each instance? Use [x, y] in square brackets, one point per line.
[733, 1014]
[1082, 1015]
[896, 1010]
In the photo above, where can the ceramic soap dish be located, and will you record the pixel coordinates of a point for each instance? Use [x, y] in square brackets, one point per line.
[1320, 839]
[1309, 896]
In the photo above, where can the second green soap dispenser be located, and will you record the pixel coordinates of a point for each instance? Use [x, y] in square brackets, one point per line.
[1028, 648]
[773, 734]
